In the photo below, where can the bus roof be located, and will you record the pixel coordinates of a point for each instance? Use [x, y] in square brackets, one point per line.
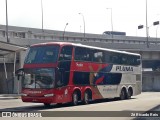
[86, 46]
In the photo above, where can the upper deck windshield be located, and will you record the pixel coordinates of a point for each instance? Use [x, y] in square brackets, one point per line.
[42, 54]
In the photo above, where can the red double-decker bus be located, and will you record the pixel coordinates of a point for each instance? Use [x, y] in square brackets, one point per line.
[61, 72]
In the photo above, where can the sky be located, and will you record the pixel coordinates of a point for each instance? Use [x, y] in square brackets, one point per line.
[126, 15]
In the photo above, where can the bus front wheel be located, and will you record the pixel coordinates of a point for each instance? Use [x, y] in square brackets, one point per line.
[47, 104]
[123, 94]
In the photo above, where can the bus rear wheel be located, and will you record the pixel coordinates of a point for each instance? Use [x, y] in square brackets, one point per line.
[129, 94]
[86, 98]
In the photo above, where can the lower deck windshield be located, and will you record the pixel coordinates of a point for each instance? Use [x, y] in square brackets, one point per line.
[38, 78]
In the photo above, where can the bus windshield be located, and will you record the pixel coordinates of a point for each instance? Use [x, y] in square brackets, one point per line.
[42, 54]
[38, 78]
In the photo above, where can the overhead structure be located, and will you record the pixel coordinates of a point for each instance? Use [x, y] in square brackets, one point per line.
[6, 49]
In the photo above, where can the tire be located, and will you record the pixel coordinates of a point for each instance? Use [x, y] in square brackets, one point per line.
[47, 104]
[86, 97]
[75, 99]
[59, 104]
[123, 94]
[129, 94]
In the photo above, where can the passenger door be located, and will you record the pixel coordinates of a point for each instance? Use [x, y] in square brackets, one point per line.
[64, 64]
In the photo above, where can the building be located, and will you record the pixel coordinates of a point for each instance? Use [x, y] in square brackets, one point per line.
[150, 56]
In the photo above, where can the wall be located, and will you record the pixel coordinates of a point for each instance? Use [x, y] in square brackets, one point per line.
[6, 86]
[151, 81]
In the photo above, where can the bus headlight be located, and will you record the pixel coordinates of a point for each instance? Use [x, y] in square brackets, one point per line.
[49, 95]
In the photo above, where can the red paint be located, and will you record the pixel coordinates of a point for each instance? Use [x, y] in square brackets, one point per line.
[99, 80]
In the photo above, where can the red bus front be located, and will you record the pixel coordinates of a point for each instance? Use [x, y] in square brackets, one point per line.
[42, 77]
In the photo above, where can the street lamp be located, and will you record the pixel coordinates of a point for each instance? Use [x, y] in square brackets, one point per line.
[111, 19]
[7, 22]
[83, 23]
[156, 23]
[140, 26]
[42, 13]
[147, 30]
[64, 30]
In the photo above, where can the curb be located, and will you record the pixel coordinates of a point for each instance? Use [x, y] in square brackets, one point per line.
[10, 96]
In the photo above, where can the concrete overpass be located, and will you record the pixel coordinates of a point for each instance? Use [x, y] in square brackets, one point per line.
[151, 56]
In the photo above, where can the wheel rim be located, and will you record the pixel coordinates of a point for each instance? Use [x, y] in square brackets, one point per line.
[86, 98]
[75, 99]
[129, 94]
[122, 95]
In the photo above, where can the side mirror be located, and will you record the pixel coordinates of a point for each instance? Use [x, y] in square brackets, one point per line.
[19, 73]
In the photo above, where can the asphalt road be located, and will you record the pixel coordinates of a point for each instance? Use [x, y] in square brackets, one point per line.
[115, 109]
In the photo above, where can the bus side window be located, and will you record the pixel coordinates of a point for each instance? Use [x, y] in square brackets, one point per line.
[66, 53]
[82, 54]
[98, 56]
[114, 60]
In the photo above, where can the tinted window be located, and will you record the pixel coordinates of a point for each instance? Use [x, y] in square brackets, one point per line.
[112, 78]
[83, 54]
[62, 78]
[93, 55]
[107, 78]
[66, 53]
[98, 56]
[120, 58]
[130, 59]
[81, 78]
[115, 58]
[42, 54]
[64, 64]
